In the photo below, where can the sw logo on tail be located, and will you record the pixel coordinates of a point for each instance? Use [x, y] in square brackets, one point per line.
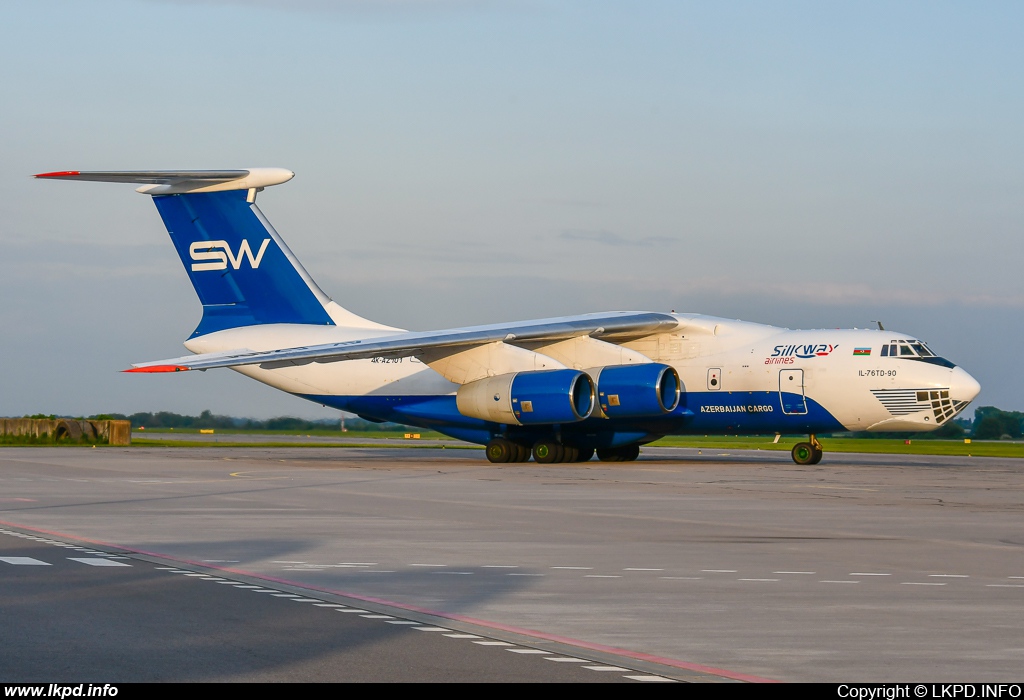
[220, 252]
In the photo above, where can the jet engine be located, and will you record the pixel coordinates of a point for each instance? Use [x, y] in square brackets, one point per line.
[637, 391]
[529, 398]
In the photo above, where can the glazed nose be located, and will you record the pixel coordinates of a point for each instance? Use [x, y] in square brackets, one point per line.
[962, 386]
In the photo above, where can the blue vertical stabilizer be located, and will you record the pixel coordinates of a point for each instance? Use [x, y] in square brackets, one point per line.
[242, 271]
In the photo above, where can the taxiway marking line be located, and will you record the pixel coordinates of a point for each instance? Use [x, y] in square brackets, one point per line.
[528, 651]
[98, 562]
[23, 561]
[626, 653]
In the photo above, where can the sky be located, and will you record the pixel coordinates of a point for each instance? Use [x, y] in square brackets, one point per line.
[802, 164]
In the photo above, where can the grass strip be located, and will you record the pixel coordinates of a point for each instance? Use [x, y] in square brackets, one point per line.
[956, 448]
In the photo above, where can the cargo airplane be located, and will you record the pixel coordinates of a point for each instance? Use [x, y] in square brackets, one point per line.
[559, 389]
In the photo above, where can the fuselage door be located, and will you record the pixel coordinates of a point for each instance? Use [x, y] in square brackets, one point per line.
[791, 391]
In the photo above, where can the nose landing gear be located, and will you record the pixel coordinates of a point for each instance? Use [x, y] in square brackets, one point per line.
[808, 452]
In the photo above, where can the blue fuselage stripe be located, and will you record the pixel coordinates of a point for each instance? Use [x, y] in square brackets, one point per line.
[697, 413]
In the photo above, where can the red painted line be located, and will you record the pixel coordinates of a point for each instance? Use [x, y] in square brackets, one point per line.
[158, 368]
[639, 656]
[59, 173]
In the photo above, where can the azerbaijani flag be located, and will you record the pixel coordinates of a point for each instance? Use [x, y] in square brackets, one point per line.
[863, 352]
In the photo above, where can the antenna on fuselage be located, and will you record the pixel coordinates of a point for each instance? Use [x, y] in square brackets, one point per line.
[880, 326]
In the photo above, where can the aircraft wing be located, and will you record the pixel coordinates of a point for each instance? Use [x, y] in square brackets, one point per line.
[620, 326]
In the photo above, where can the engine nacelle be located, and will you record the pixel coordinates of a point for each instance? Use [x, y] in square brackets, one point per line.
[637, 391]
[529, 398]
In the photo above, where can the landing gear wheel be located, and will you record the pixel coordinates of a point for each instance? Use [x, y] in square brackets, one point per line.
[500, 451]
[630, 453]
[545, 452]
[805, 453]
[570, 454]
[585, 453]
[619, 454]
[521, 453]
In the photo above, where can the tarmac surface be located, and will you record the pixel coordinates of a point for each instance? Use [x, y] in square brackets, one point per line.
[709, 566]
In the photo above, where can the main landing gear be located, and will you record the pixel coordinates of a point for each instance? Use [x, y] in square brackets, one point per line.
[550, 452]
[502, 451]
[808, 452]
[629, 453]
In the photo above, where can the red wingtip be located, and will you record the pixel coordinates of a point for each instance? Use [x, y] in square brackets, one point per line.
[59, 173]
[158, 368]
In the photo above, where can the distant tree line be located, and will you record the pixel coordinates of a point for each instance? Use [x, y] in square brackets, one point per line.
[990, 423]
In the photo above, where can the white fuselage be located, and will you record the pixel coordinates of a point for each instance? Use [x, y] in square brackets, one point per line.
[735, 375]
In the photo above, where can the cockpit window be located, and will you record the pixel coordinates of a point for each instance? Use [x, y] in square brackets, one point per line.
[914, 349]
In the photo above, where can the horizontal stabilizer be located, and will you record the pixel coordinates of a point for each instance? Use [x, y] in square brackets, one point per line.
[181, 181]
[173, 366]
